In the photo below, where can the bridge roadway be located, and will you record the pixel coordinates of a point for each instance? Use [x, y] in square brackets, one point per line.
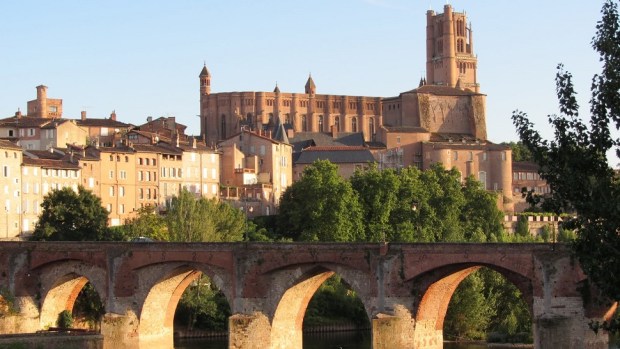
[405, 288]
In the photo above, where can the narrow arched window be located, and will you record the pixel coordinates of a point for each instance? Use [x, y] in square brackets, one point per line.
[223, 127]
[304, 124]
[320, 123]
[354, 124]
[337, 123]
[371, 126]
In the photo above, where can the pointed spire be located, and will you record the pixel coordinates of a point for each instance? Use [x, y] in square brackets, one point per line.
[421, 82]
[310, 86]
[204, 71]
[277, 89]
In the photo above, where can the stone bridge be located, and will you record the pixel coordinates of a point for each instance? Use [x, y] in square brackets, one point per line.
[405, 288]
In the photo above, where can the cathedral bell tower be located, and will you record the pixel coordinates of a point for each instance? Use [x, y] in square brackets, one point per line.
[205, 81]
[450, 58]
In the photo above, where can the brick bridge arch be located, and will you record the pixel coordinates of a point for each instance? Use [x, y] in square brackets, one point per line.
[404, 287]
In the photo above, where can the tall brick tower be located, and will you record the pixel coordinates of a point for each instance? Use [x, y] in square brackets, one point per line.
[450, 58]
[206, 126]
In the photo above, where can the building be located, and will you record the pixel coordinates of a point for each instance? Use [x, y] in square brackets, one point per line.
[525, 177]
[42, 172]
[442, 120]
[43, 107]
[10, 186]
[256, 169]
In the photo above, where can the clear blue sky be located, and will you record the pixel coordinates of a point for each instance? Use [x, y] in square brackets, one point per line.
[143, 58]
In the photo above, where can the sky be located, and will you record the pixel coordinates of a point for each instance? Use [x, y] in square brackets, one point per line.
[142, 58]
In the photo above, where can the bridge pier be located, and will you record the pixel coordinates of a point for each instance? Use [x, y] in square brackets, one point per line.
[393, 331]
[249, 331]
[565, 325]
[20, 316]
[120, 331]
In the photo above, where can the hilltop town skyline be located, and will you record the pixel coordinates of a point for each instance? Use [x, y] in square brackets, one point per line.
[143, 60]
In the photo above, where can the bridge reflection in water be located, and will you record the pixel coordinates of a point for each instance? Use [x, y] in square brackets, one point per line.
[405, 288]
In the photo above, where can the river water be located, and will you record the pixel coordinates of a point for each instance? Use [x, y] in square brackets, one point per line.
[335, 340]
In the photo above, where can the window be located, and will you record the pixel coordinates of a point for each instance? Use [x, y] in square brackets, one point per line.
[304, 124]
[121, 191]
[141, 193]
[337, 123]
[213, 173]
[456, 155]
[121, 208]
[111, 191]
[484, 156]
[482, 177]
[371, 126]
[320, 123]
[471, 156]
[5, 171]
[123, 174]
[109, 208]
[111, 174]
[262, 150]
[354, 124]
[223, 127]
[31, 132]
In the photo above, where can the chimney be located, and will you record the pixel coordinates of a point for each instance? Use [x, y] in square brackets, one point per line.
[83, 114]
[18, 113]
[177, 139]
[334, 131]
[113, 115]
[194, 143]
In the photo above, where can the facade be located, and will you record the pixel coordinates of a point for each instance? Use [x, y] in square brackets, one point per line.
[256, 169]
[223, 114]
[525, 177]
[10, 187]
[118, 182]
[43, 107]
[442, 120]
[348, 159]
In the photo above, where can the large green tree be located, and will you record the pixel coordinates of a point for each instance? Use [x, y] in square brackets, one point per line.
[409, 205]
[321, 206]
[72, 216]
[575, 163]
[191, 219]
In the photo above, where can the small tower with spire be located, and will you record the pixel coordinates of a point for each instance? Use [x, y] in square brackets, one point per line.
[310, 86]
[205, 81]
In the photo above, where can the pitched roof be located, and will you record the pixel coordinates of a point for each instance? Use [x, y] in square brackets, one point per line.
[525, 166]
[25, 121]
[6, 144]
[101, 123]
[337, 155]
[303, 140]
[443, 91]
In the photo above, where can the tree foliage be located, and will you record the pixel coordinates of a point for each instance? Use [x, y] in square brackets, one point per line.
[574, 163]
[321, 206]
[520, 152]
[71, 216]
[191, 219]
[410, 205]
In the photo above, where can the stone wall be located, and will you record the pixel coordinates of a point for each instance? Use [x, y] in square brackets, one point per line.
[52, 341]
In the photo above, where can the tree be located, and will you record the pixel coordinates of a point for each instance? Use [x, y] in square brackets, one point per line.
[321, 206]
[469, 312]
[519, 151]
[147, 223]
[71, 216]
[191, 219]
[574, 163]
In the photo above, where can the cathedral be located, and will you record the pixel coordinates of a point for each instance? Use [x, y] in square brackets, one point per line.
[442, 120]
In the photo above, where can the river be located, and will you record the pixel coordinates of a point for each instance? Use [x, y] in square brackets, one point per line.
[335, 340]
